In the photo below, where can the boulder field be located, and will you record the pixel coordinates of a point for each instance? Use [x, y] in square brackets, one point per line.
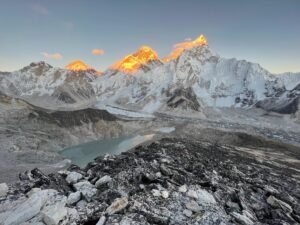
[170, 181]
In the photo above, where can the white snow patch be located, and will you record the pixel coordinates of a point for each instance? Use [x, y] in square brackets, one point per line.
[123, 112]
[152, 107]
[165, 129]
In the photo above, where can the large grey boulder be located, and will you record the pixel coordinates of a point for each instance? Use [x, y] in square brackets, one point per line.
[103, 180]
[73, 177]
[33, 191]
[192, 194]
[165, 194]
[74, 198]
[3, 190]
[87, 190]
[54, 214]
[182, 188]
[242, 219]
[205, 198]
[193, 206]
[276, 203]
[101, 221]
[73, 215]
[28, 209]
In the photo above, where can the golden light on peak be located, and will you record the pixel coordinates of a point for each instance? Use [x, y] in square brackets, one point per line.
[132, 62]
[201, 40]
[180, 47]
[145, 54]
[78, 65]
[146, 49]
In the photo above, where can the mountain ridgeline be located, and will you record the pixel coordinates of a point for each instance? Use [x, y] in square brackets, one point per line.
[192, 78]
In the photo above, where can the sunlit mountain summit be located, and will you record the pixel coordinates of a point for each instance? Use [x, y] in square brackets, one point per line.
[133, 62]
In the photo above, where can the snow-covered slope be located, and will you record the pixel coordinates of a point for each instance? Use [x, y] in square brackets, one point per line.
[191, 81]
[45, 86]
[198, 78]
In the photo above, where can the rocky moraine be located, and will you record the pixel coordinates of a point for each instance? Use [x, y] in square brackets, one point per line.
[170, 181]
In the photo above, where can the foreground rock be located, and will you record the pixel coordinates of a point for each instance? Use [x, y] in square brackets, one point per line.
[118, 205]
[172, 181]
[3, 190]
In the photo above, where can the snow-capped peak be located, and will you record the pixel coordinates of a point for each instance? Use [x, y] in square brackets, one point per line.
[145, 54]
[34, 69]
[79, 66]
[180, 47]
[131, 63]
[41, 66]
[191, 77]
[200, 41]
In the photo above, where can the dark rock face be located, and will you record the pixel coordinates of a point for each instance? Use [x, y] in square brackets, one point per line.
[178, 181]
[184, 98]
[4, 98]
[288, 106]
[39, 67]
[68, 94]
[283, 102]
[65, 97]
[247, 100]
[72, 118]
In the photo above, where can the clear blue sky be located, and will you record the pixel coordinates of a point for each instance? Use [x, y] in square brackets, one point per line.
[263, 31]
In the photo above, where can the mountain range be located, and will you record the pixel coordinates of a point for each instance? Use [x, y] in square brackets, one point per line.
[191, 79]
[215, 125]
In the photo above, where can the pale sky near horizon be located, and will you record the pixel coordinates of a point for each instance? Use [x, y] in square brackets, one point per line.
[59, 31]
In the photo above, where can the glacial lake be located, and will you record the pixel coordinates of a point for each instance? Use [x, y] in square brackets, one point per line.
[82, 154]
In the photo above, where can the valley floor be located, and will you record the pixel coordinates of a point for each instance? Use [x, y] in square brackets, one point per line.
[29, 144]
[236, 169]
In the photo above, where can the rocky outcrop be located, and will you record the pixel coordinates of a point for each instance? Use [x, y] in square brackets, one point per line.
[72, 118]
[284, 102]
[172, 181]
[36, 207]
[184, 98]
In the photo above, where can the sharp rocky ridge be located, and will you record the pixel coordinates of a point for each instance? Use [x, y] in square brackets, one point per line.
[45, 86]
